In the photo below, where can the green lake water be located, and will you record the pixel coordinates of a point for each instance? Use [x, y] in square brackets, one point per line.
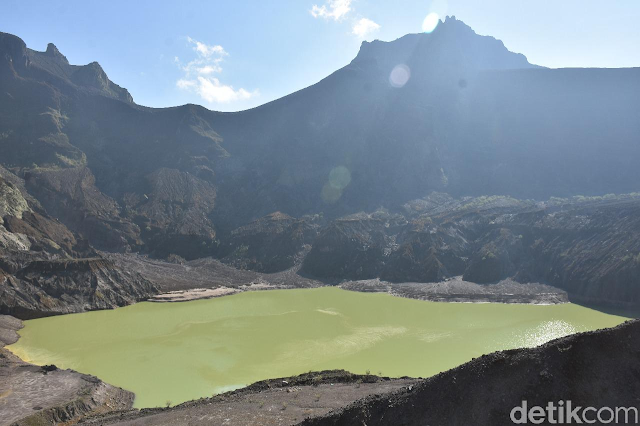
[181, 351]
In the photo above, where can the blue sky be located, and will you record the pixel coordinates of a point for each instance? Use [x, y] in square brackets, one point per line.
[234, 55]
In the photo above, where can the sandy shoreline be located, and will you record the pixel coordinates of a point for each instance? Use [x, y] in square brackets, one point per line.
[210, 293]
[454, 290]
[193, 294]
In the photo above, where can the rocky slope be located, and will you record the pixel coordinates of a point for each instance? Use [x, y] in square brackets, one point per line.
[596, 369]
[283, 401]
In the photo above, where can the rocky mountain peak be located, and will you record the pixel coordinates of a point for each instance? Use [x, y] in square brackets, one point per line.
[451, 44]
[13, 51]
[452, 20]
[53, 52]
[16, 58]
[92, 75]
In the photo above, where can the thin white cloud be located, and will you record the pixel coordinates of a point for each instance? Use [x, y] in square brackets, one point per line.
[208, 69]
[207, 50]
[333, 9]
[211, 90]
[207, 61]
[186, 84]
[363, 27]
[198, 75]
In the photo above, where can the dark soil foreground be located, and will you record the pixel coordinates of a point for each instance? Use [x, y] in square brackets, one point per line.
[284, 401]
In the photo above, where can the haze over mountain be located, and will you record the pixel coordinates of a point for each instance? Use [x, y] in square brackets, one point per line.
[450, 111]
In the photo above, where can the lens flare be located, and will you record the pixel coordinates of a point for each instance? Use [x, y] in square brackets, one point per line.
[340, 177]
[430, 22]
[399, 76]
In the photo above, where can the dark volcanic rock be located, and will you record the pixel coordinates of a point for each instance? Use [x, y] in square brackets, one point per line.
[281, 401]
[349, 248]
[426, 252]
[586, 246]
[174, 214]
[45, 234]
[98, 162]
[501, 255]
[592, 250]
[270, 244]
[71, 196]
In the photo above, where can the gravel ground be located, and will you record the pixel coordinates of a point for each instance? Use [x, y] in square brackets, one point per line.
[285, 401]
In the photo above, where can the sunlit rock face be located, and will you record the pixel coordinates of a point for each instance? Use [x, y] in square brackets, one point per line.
[12, 203]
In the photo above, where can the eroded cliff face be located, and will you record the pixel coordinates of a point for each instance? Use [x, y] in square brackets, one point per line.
[61, 286]
[70, 195]
[46, 269]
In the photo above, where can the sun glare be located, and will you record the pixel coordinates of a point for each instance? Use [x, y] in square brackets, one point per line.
[430, 22]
